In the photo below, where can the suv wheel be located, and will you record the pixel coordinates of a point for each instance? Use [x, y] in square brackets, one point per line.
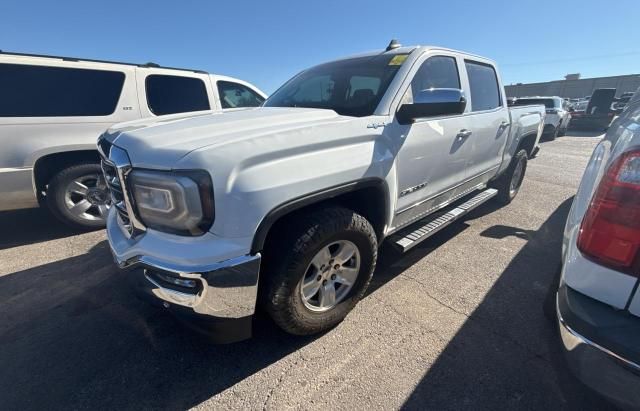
[319, 272]
[509, 183]
[78, 196]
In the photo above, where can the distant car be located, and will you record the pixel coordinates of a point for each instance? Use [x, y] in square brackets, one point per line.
[52, 110]
[558, 116]
[598, 301]
[619, 106]
[598, 114]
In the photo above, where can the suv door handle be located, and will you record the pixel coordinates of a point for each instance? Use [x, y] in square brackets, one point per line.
[505, 124]
[464, 133]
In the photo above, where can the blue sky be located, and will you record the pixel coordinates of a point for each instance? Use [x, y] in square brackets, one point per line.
[266, 42]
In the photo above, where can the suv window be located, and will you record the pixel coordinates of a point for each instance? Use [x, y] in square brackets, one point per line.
[175, 94]
[234, 95]
[42, 91]
[483, 84]
[435, 72]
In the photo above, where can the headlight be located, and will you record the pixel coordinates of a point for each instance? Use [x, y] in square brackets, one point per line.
[178, 202]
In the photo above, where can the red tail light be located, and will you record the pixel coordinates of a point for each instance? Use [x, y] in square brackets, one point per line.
[610, 231]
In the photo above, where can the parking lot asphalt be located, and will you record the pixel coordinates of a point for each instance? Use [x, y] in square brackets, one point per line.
[457, 323]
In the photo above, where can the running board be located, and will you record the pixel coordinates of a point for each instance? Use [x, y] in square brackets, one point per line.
[425, 228]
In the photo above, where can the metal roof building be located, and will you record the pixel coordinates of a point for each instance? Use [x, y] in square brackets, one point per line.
[575, 88]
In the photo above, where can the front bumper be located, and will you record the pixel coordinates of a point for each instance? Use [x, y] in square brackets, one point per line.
[218, 298]
[601, 346]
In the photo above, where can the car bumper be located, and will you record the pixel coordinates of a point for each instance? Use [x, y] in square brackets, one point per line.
[600, 345]
[217, 298]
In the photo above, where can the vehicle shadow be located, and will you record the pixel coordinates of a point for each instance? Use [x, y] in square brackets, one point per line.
[583, 133]
[506, 346]
[30, 226]
[74, 335]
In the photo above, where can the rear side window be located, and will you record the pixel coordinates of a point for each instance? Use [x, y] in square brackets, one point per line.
[41, 91]
[175, 94]
[234, 95]
[483, 83]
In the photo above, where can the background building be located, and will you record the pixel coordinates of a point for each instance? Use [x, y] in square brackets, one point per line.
[573, 86]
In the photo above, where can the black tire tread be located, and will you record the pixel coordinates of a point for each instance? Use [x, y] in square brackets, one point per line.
[502, 183]
[53, 194]
[284, 268]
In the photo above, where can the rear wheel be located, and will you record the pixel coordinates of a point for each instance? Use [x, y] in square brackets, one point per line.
[562, 131]
[509, 183]
[318, 273]
[78, 196]
[554, 134]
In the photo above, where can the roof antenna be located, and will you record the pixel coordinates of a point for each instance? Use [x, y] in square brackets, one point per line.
[394, 44]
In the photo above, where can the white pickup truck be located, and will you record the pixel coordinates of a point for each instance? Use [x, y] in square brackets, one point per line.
[286, 204]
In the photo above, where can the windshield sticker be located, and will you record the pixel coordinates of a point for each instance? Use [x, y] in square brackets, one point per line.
[398, 60]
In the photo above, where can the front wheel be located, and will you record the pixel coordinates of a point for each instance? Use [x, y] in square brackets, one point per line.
[78, 196]
[318, 273]
[509, 183]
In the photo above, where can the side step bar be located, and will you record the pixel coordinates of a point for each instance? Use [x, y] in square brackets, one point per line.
[425, 228]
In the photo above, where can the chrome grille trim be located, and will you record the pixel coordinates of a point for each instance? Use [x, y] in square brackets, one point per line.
[116, 166]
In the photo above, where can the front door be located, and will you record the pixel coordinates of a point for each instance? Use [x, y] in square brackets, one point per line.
[432, 159]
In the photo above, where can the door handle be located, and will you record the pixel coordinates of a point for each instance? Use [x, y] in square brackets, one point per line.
[464, 133]
[505, 124]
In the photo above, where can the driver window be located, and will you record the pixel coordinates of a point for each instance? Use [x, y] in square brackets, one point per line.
[435, 72]
[234, 95]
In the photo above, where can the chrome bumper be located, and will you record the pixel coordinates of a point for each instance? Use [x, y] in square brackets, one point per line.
[225, 290]
[601, 369]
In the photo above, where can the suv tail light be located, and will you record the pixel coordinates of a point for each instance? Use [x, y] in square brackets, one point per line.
[610, 231]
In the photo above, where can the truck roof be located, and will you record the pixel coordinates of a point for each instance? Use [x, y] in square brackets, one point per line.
[65, 58]
[409, 50]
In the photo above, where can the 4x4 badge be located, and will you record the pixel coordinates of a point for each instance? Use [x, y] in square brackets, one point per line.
[376, 125]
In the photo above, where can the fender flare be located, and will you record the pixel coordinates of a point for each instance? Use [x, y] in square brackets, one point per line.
[309, 199]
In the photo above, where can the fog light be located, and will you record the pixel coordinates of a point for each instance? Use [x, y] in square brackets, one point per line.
[181, 282]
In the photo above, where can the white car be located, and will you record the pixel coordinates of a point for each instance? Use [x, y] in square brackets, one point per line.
[598, 301]
[291, 200]
[558, 116]
[52, 110]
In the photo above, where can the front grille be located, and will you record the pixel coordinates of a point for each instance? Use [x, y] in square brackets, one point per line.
[117, 187]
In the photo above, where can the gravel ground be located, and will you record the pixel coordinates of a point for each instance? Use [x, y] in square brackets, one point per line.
[455, 323]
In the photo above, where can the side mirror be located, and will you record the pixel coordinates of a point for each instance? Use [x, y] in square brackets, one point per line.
[432, 102]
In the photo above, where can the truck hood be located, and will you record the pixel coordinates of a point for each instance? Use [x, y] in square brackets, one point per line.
[162, 141]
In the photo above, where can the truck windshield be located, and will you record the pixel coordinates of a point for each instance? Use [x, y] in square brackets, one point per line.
[351, 87]
[548, 102]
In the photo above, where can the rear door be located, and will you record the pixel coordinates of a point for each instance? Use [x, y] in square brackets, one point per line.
[489, 121]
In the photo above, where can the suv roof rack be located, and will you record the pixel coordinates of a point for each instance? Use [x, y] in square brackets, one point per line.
[64, 58]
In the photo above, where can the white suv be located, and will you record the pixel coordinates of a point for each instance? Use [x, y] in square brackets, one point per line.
[52, 110]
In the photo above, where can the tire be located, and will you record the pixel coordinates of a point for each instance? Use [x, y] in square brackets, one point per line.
[295, 261]
[562, 132]
[506, 191]
[553, 135]
[91, 202]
